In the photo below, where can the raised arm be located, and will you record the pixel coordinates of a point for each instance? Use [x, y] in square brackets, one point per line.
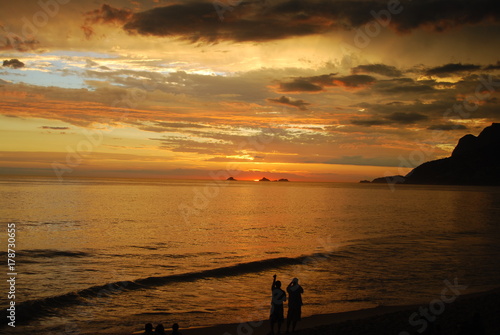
[294, 285]
[274, 282]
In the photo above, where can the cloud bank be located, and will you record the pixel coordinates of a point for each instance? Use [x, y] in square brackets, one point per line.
[272, 20]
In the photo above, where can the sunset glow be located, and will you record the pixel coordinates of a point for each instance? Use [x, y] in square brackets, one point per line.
[92, 89]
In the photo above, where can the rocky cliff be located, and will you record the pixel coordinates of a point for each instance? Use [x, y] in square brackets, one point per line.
[474, 161]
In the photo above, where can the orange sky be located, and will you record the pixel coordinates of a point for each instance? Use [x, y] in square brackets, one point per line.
[317, 90]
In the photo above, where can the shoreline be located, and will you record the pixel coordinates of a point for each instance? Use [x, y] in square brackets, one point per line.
[378, 320]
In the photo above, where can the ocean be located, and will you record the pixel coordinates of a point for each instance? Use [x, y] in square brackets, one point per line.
[97, 255]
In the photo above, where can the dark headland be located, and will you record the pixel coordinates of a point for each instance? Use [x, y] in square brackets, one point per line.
[474, 161]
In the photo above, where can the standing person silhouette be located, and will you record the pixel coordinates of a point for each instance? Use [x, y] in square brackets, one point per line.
[294, 304]
[278, 297]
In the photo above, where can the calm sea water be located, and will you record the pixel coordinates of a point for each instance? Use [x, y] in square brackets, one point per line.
[96, 255]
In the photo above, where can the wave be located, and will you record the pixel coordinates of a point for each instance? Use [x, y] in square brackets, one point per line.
[47, 253]
[51, 253]
[186, 255]
[32, 309]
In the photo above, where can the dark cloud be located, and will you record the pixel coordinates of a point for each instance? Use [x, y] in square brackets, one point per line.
[366, 161]
[451, 68]
[54, 128]
[493, 66]
[200, 21]
[90, 63]
[385, 70]
[271, 20]
[441, 84]
[109, 14]
[404, 87]
[441, 15]
[434, 110]
[401, 118]
[300, 85]
[369, 123]
[13, 63]
[355, 80]
[105, 14]
[441, 106]
[324, 79]
[406, 118]
[300, 104]
[16, 42]
[88, 31]
[163, 126]
[318, 83]
[447, 127]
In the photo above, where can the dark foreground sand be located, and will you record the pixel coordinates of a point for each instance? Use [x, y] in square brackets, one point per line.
[395, 320]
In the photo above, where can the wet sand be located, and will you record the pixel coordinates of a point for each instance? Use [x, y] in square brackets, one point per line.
[398, 320]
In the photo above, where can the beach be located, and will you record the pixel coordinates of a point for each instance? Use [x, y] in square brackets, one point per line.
[454, 316]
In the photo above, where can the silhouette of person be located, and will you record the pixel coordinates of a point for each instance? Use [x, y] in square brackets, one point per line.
[148, 329]
[160, 329]
[175, 329]
[278, 297]
[294, 303]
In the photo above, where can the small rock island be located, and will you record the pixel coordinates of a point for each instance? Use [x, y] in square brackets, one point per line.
[277, 180]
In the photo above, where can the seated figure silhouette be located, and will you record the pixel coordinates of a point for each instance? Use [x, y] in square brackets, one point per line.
[175, 329]
[160, 330]
[278, 297]
[148, 329]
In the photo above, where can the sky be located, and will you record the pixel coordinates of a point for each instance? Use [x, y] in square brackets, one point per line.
[306, 90]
